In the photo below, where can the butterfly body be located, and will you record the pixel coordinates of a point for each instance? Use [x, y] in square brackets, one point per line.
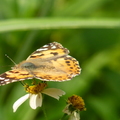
[48, 63]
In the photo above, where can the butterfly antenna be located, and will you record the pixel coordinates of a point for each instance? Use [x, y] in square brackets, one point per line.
[22, 83]
[10, 59]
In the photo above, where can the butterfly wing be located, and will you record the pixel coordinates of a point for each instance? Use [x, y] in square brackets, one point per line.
[49, 63]
[53, 63]
[61, 69]
[48, 51]
[14, 76]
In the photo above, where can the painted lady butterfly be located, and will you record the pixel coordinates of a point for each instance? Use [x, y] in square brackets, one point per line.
[48, 63]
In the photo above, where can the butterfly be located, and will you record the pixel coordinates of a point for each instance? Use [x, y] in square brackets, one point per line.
[48, 63]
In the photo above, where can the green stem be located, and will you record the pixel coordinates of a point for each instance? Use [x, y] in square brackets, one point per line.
[44, 112]
[64, 116]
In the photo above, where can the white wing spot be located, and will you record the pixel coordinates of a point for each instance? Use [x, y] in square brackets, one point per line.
[68, 56]
[29, 78]
[6, 80]
[45, 46]
[14, 80]
[2, 78]
[22, 79]
[42, 49]
[53, 47]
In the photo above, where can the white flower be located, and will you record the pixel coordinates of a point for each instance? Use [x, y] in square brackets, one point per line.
[75, 104]
[74, 116]
[35, 95]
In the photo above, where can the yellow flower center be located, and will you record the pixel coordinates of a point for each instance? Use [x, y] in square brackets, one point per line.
[77, 102]
[35, 89]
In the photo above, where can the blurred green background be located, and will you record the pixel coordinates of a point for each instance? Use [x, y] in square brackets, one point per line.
[96, 47]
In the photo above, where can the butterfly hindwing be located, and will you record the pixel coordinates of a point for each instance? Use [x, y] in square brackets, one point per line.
[64, 68]
[14, 76]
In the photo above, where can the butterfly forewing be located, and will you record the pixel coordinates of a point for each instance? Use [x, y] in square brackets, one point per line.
[50, 50]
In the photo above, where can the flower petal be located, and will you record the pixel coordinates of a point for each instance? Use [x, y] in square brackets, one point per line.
[53, 92]
[39, 100]
[67, 109]
[35, 100]
[19, 102]
[74, 116]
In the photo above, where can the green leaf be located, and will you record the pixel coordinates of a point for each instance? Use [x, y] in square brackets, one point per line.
[57, 23]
